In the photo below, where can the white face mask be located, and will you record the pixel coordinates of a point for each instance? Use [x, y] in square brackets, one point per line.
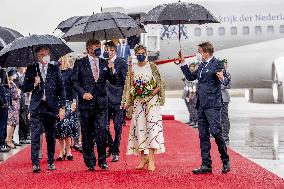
[46, 59]
[199, 57]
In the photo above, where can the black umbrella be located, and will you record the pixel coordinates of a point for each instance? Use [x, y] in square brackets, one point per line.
[103, 26]
[21, 52]
[65, 25]
[177, 14]
[7, 36]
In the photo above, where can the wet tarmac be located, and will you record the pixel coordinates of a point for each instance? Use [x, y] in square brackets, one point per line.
[257, 130]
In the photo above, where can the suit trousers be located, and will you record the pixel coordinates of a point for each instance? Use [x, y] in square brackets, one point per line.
[93, 127]
[225, 121]
[117, 116]
[3, 125]
[41, 118]
[24, 128]
[209, 121]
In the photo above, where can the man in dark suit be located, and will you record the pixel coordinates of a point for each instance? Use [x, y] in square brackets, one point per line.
[209, 102]
[123, 51]
[115, 92]
[89, 78]
[44, 80]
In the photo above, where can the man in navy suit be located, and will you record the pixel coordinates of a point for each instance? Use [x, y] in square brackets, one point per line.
[123, 50]
[115, 92]
[90, 75]
[209, 103]
[44, 80]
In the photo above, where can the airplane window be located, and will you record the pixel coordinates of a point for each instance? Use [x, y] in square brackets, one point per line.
[245, 30]
[270, 29]
[234, 30]
[221, 31]
[197, 32]
[209, 31]
[258, 30]
[282, 29]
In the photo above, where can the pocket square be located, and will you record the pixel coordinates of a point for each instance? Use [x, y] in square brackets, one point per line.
[105, 68]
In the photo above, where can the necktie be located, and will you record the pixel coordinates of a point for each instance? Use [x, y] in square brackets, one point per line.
[95, 71]
[123, 51]
[43, 73]
[204, 65]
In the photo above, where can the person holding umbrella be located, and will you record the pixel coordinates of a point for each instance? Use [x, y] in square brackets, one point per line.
[210, 76]
[44, 80]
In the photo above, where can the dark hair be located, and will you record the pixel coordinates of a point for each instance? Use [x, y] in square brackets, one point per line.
[91, 42]
[42, 47]
[207, 47]
[110, 44]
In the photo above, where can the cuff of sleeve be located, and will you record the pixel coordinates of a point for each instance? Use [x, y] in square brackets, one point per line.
[184, 64]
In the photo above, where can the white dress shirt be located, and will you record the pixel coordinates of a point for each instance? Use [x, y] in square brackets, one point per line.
[43, 72]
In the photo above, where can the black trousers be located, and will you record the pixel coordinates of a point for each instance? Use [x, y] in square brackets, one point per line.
[225, 121]
[93, 128]
[43, 118]
[209, 121]
[3, 125]
[24, 128]
[117, 116]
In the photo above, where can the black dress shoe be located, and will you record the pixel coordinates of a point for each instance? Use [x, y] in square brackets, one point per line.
[36, 169]
[59, 159]
[226, 167]
[4, 149]
[51, 167]
[115, 158]
[103, 166]
[70, 157]
[91, 168]
[203, 170]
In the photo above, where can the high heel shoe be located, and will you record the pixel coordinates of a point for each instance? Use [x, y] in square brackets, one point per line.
[11, 146]
[59, 159]
[151, 164]
[144, 161]
[70, 157]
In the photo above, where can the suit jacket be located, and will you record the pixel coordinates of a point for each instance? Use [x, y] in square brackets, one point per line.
[126, 52]
[224, 89]
[115, 90]
[209, 86]
[84, 82]
[53, 86]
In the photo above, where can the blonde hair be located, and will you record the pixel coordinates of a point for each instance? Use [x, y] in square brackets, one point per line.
[140, 47]
[65, 62]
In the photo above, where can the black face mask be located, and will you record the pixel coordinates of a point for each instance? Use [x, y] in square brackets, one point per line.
[97, 52]
[106, 55]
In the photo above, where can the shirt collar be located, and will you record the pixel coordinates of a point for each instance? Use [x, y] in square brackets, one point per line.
[208, 60]
[92, 59]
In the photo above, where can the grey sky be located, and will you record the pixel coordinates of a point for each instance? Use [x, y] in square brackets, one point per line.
[42, 16]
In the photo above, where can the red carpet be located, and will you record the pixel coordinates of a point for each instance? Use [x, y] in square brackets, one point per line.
[173, 169]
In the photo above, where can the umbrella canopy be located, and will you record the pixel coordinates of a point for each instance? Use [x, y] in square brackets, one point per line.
[21, 52]
[178, 13]
[65, 25]
[103, 26]
[7, 36]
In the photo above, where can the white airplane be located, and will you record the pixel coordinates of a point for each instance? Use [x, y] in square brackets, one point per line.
[250, 36]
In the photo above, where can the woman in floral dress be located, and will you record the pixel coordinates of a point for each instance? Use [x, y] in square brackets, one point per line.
[14, 110]
[144, 91]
